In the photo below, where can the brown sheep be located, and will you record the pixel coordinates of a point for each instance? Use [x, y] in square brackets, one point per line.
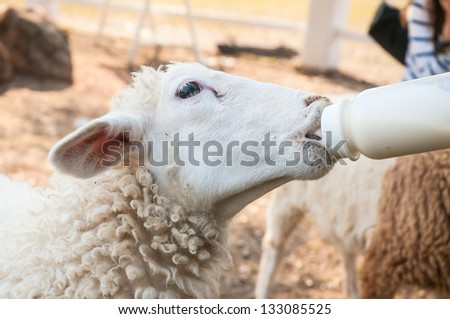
[411, 243]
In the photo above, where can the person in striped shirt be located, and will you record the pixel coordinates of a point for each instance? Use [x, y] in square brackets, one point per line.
[428, 53]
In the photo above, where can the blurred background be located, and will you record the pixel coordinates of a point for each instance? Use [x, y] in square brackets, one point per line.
[320, 46]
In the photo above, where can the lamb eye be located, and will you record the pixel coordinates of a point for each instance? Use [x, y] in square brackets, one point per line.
[188, 90]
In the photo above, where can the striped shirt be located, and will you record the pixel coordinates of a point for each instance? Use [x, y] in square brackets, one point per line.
[421, 59]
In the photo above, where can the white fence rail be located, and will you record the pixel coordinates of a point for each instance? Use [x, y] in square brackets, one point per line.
[324, 30]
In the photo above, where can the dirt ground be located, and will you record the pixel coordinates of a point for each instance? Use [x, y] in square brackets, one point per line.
[35, 113]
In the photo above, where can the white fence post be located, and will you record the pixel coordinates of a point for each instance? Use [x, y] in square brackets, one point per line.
[322, 46]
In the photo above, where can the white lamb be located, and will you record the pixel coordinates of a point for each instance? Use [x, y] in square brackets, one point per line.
[124, 226]
[344, 204]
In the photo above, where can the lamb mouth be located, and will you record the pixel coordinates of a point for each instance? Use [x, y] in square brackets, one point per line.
[313, 136]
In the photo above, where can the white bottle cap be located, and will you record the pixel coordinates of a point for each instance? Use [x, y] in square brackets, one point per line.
[333, 131]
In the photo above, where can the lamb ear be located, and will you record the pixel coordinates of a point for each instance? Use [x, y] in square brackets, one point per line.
[88, 151]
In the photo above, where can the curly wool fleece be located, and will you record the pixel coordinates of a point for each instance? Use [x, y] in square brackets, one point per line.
[121, 240]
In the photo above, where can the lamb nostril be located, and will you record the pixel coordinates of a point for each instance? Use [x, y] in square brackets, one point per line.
[310, 99]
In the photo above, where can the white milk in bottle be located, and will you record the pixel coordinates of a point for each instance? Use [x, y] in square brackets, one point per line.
[394, 120]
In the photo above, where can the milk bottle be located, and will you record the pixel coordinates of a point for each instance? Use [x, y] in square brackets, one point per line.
[389, 121]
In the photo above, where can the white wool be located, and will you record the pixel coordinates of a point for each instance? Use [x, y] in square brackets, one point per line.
[109, 241]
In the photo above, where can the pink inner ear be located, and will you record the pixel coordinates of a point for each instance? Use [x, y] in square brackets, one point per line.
[85, 158]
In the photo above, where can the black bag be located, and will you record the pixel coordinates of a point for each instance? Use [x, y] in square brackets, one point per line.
[388, 32]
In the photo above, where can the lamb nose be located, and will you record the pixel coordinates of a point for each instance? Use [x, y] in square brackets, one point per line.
[310, 99]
